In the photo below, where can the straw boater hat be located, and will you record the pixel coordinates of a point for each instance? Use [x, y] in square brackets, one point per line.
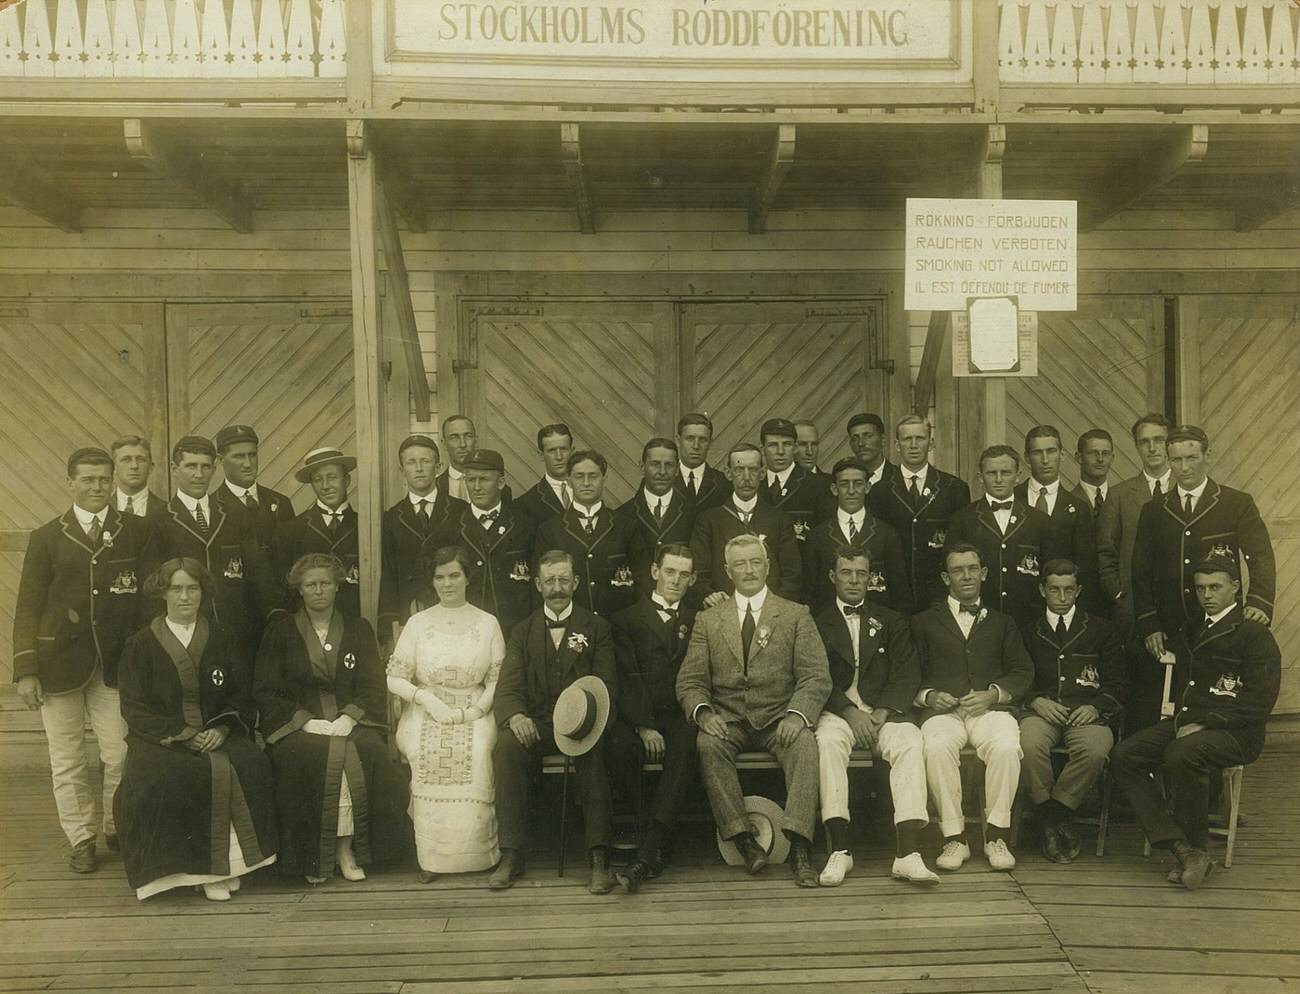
[581, 713]
[317, 458]
[765, 820]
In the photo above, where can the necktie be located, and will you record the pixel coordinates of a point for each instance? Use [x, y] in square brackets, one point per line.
[1098, 503]
[250, 501]
[422, 510]
[200, 518]
[588, 522]
[972, 609]
[1060, 626]
[690, 482]
[566, 499]
[659, 511]
[553, 623]
[131, 507]
[852, 609]
[913, 491]
[747, 631]
[1001, 505]
[1187, 505]
[95, 531]
[1155, 491]
[853, 530]
[671, 613]
[1041, 503]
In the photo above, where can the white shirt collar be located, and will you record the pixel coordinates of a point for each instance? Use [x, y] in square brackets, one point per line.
[660, 602]
[453, 473]
[184, 633]
[686, 471]
[556, 485]
[562, 616]
[242, 492]
[414, 498]
[858, 518]
[1151, 481]
[1068, 616]
[755, 602]
[878, 472]
[651, 500]
[480, 514]
[588, 512]
[747, 506]
[123, 500]
[84, 517]
[919, 475]
[191, 503]
[1214, 619]
[1092, 489]
[990, 499]
[332, 512]
[780, 477]
[954, 606]
[841, 604]
[1194, 494]
[1049, 488]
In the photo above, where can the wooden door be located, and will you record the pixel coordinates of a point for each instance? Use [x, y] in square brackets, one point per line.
[746, 362]
[604, 368]
[71, 374]
[1098, 367]
[1247, 400]
[284, 368]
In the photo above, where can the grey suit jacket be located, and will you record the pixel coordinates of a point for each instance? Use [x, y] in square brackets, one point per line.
[787, 668]
[1116, 533]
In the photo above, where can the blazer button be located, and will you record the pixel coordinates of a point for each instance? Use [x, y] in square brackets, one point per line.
[1004, 545]
[1004, 569]
[94, 593]
[1062, 679]
[1191, 683]
[590, 556]
[479, 562]
[1187, 562]
[1188, 534]
[1062, 656]
[1184, 709]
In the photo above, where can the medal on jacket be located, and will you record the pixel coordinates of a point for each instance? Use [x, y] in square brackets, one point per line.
[218, 677]
[349, 661]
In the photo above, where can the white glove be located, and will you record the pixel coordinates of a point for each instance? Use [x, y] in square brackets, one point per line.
[436, 708]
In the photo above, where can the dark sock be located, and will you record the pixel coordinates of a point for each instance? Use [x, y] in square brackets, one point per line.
[656, 834]
[906, 835]
[1053, 812]
[953, 838]
[798, 840]
[992, 833]
[837, 834]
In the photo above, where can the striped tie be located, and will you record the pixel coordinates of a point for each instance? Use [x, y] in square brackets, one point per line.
[201, 518]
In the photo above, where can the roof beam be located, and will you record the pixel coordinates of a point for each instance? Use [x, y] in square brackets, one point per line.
[575, 171]
[22, 183]
[780, 158]
[1125, 186]
[923, 395]
[1254, 211]
[187, 169]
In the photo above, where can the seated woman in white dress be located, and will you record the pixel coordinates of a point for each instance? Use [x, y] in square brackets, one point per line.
[195, 806]
[445, 668]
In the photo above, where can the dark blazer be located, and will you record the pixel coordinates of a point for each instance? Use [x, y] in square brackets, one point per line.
[273, 510]
[604, 558]
[247, 592]
[888, 670]
[503, 558]
[889, 584]
[524, 687]
[1074, 537]
[994, 653]
[718, 525]
[77, 603]
[539, 502]
[1014, 560]
[649, 653]
[307, 533]
[714, 488]
[1085, 667]
[155, 506]
[1233, 680]
[923, 530]
[443, 484]
[408, 542]
[803, 502]
[1116, 536]
[1168, 547]
[648, 535]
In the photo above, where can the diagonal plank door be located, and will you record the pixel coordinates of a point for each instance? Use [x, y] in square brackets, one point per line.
[602, 367]
[1249, 367]
[71, 374]
[284, 368]
[749, 362]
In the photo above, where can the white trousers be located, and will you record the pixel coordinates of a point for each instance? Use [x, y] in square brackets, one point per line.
[64, 717]
[996, 739]
[899, 745]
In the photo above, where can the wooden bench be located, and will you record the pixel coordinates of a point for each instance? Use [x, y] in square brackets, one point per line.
[1232, 778]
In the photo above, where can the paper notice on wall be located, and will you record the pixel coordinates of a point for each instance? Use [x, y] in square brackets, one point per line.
[994, 335]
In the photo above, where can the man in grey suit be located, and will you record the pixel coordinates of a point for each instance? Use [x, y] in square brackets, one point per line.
[1095, 454]
[755, 676]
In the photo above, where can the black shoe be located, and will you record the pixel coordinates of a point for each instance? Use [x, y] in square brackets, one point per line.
[654, 860]
[111, 843]
[83, 859]
[634, 876]
[601, 881]
[1196, 864]
[754, 857]
[1070, 843]
[801, 867]
[1052, 849]
[508, 870]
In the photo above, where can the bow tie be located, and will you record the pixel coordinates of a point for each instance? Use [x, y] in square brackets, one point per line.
[489, 519]
[852, 609]
[1001, 505]
[666, 610]
[552, 623]
[968, 608]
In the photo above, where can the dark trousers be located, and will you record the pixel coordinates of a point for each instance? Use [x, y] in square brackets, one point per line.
[1187, 765]
[513, 766]
[626, 756]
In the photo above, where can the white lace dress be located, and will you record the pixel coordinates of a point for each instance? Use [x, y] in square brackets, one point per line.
[454, 654]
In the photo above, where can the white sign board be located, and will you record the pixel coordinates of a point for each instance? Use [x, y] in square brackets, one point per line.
[959, 249]
[992, 347]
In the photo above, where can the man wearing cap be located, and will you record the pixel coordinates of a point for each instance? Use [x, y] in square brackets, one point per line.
[705, 486]
[755, 677]
[874, 676]
[237, 450]
[743, 514]
[867, 440]
[78, 600]
[552, 495]
[132, 465]
[650, 644]
[802, 500]
[498, 538]
[918, 500]
[1197, 519]
[461, 438]
[1234, 669]
[555, 647]
[658, 512]
[1013, 539]
[602, 543]
[329, 526]
[408, 532]
[226, 543]
[854, 525]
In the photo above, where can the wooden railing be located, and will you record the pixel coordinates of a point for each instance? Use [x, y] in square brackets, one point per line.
[1149, 41]
[203, 39]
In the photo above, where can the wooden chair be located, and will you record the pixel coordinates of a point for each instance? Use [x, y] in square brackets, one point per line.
[1105, 790]
[1232, 779]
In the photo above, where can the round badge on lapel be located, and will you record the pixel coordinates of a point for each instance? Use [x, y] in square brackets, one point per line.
[349, 661]
[218, 677]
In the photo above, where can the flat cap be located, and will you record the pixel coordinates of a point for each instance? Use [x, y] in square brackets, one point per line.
[866, 419]
[410, 441]
[489, 459]
[231, 434]
[1219, 564]
[1189, 433]
[778, 426]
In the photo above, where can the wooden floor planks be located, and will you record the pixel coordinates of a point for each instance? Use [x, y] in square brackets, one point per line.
[1111, 926]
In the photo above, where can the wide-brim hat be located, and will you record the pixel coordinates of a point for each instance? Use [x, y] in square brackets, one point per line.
[317, 458]
[765, 820]
[580, 716]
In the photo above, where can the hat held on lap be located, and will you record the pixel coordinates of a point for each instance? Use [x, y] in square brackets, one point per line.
[581, 714]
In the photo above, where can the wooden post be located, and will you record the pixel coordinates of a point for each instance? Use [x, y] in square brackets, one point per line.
[1187, 350]
[368, 386]
[984, 41]
[359, 25]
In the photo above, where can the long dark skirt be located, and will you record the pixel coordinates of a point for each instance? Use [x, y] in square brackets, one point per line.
[308, 776]
[174, 809]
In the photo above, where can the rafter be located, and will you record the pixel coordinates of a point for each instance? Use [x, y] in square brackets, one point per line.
[1126, 185]
[187, 169]
[22, 183]
[575, 171]
[780, 158]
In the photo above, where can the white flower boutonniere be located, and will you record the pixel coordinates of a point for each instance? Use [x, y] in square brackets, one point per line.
[763, 635]
[926, 492]
[1011, 520]
[578, 642]
[1070, 508]
[501, 529]
[984, 613]
[274, 507]
[106, 540]
[873, 627]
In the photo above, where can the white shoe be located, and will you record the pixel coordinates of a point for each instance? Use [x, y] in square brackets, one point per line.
[348, 862]
[953, 855]
[232, 884]
[216, 892]
[999, 856]
[912, 867]
[837, 868]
